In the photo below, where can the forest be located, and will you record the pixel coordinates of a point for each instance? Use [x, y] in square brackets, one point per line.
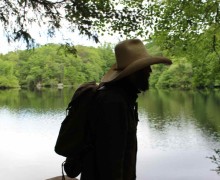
[186, 31]
[50, 65]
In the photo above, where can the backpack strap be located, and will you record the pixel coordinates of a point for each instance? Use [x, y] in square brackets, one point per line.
[82, 89]
[62, 167]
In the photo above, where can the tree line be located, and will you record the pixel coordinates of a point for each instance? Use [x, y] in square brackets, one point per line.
[50, 65]
[186, 31]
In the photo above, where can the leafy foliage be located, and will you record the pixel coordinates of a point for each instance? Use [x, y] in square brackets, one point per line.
[177, 75]
[216, 160]
[49, 65]
[190, 29]
[178, 22]
[90, 17]
[176, 25]
[186, 29]
[7, 77]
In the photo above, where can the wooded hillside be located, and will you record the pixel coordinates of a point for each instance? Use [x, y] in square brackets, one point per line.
[50, 65]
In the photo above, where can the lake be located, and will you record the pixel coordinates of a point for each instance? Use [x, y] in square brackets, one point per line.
[177, 131]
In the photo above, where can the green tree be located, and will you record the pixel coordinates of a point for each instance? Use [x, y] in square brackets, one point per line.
[7, 77]
[190, 29]
[107, 55]
[178, 75]
[88, 16]
[176, 23]
[49, 65]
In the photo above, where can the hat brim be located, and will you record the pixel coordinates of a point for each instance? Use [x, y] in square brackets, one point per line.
[113, 74]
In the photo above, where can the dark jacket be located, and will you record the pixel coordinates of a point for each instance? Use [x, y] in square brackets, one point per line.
[113, 134]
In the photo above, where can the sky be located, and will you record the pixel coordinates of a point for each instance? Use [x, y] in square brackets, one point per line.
[41, 37]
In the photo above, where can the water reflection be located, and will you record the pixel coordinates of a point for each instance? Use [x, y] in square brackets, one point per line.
[177, 131]
[200, 108]
[181, 128]
[38, 100]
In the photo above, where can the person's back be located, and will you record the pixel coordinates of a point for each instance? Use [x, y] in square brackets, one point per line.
[114, 123]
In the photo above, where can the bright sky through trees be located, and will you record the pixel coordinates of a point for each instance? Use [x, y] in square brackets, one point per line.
[42, 39]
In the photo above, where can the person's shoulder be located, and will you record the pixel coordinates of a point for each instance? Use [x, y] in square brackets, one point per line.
[111, 95]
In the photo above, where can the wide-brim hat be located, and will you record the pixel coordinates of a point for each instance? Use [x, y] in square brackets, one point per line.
[131, 56]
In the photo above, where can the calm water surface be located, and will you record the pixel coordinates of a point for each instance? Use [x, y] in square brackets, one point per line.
[177, 131]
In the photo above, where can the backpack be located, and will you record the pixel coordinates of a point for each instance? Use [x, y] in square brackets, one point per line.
[72, 138]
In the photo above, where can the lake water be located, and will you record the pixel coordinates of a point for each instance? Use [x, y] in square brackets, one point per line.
[177, 131]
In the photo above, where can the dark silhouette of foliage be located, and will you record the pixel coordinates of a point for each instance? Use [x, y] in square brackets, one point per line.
[89, 17]
[216, 160]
